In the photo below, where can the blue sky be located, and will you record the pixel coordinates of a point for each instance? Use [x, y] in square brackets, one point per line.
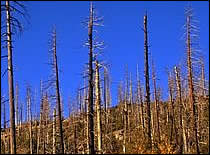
[121, 33]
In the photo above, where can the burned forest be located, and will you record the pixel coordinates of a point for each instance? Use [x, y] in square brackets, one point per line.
[72, 98]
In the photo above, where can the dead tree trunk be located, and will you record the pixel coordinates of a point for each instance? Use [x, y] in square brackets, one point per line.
[128, 101]
[125, 117]
[202, 79]
[10, 80]
[147, 97]
[183, 142]
[31, 132]
[140, 100]
[16, 105]
[39, 134]
[142, 107]
[54, 131]
[131, 96]
[157, 109]
[105, 103]
[30, 119]
[86, 123]
[21, 117]
[75, 133]
[36, 131]
[105, 93]
[90, 90]
[58, 93]
[98, 108]
[190, 83]
[17, 109]
[172, 114]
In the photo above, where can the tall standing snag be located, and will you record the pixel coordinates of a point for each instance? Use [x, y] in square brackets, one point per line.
[30, 119]
[172, 113]
[98, 108]
[147, 97]
[125, 119]
[10, 81]
[190, 81]
[9, 28]
[157, 109]
[90, 82]
[58, 100]
[54, 131]
[183, 144]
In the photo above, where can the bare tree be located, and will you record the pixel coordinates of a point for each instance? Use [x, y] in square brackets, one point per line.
[183, 141]
[157, 109]
[140, 98]
[10, 81]
[147, 97]
[29, 101]
[40, 121]
[90, 82]
[16, 103]
[202, 81]
[192, 101]
[58, 100]
[125, 121]
[172, 110]
[54, 131]
[98, 108]
[11, 26]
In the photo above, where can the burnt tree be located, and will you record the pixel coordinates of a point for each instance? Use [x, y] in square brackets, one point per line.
[147, 97]
[58, 99]
[191, 91]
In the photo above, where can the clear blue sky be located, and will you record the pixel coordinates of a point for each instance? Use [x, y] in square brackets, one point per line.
[121, 33]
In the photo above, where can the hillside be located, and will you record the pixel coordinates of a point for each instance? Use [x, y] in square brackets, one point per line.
[75, 133]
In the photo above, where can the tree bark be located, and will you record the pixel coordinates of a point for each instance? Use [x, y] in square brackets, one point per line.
[172, 114]
[125, 118]
[54, 131]
[10, 81]
[190, 84]
[30, 119]
[147, 97]
[202, 79]
[98, 108]
[58, 93]
[16, 104]
[183, 144]
[90, 90]
[157, 109]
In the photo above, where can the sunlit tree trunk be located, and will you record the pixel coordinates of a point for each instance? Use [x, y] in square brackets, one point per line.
[16, 104]
[54, 131]
[172, 114]
[125, 121]
[75, 134]
[202, 82]
[157, 109]
[190, 84]
[10, 81]
[30, 119]
[128, 101]
[98, 108]
[183, 144]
